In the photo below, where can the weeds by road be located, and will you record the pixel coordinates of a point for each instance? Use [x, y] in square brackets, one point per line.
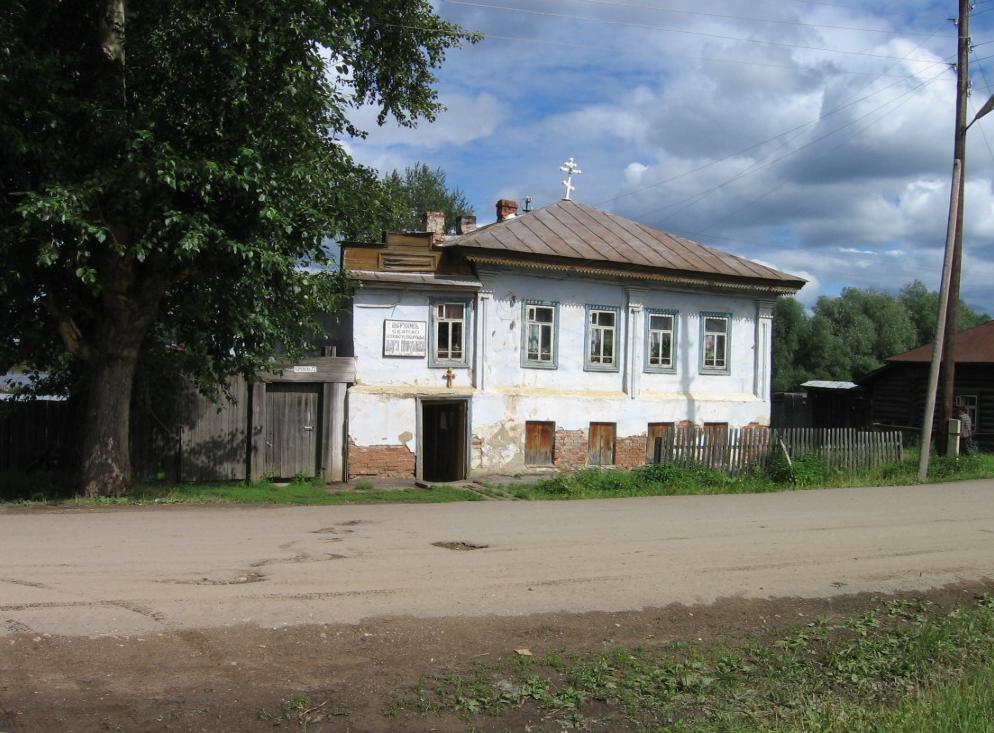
[901, 667]
[591, 483]
[806, 473]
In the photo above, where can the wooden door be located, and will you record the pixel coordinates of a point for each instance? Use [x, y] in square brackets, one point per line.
[293, 420]
[600, 449]
[656, 430]
[539, 441]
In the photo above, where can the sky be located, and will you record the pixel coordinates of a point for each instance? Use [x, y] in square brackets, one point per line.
[815, 137]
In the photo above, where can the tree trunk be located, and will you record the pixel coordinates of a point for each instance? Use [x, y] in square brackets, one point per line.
[106, 467]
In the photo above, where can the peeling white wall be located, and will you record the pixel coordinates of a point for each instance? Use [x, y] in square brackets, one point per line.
[382, 405]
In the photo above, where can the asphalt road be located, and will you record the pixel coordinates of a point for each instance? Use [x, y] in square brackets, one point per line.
[135, 570]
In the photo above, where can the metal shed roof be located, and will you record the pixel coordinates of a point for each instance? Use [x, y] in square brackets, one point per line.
[570, 230]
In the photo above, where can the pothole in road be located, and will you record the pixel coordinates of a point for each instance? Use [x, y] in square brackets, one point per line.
[459, 545]
[237, 580]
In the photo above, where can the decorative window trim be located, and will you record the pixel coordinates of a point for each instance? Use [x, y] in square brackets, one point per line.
[463, 363]
[587, 365]
[527, 363]
[727, 369]
[651, 368]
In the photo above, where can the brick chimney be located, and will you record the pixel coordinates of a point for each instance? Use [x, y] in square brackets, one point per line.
[434, 222]
[506, 208]
[465, 224]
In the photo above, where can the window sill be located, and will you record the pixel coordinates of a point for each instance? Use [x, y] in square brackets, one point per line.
[599, 368]
[539, 365]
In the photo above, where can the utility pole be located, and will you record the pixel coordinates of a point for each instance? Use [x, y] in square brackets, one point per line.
[940, 328]
[959, 153]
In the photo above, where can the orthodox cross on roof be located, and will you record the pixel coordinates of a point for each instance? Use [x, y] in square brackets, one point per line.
[569, 168]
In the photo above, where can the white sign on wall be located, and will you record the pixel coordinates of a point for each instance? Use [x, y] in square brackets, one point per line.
[405, 338]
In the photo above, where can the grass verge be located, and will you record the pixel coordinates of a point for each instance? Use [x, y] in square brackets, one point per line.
[903, 667]
[294, 493]
[591, 483]
[806, 473]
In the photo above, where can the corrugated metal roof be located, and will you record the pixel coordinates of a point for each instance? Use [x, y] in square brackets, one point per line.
[575, 231]
[973, 346]
[828, 384]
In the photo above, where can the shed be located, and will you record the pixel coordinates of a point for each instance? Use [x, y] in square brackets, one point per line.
[897, 390]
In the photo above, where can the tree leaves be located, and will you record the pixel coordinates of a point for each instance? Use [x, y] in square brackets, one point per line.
[849, 336]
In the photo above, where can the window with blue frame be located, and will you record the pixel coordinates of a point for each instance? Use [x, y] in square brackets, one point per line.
[660, 340]
[602, 338]
[449, 332]
[715, 342]
[540, 334]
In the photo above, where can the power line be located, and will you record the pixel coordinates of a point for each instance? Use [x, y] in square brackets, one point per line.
[822, 154]
[983, 133]
[666, 29]
[779, 135]
[752, 19]
[757, 166]
[713, 59]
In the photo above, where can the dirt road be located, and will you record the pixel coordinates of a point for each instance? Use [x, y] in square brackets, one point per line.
[135, 571]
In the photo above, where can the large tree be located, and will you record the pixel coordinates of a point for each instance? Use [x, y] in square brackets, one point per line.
[165, 167]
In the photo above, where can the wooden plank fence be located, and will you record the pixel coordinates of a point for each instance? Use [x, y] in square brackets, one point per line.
[738, 449]
[183, 436]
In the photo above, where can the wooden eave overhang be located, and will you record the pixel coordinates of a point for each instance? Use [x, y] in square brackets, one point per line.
[565, 265]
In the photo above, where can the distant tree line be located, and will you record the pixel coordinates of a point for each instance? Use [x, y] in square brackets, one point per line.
[847, 337]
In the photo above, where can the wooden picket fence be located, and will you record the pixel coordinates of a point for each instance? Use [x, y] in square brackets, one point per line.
[738, 449]
[847, 449]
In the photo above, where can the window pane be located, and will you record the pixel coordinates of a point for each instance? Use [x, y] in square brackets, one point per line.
[661, 322]
[654, 344]
[453, 311]
[709, 347]
[547, 343]
[665, 352]
[608, 346]
[606, 318]
[533, 339]
[456, 335]
[442, 340]
[595, 346]
[543, 315]
[714, 325]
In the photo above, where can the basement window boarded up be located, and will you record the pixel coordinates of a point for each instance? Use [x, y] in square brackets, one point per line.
[656, 430]
[540, 443]
[600, 449]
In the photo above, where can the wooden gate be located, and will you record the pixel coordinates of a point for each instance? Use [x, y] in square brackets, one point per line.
[293, 427]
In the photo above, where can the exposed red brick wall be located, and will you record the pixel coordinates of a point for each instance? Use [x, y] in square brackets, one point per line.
[570, 452]
[390, 461]
[629, 451]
